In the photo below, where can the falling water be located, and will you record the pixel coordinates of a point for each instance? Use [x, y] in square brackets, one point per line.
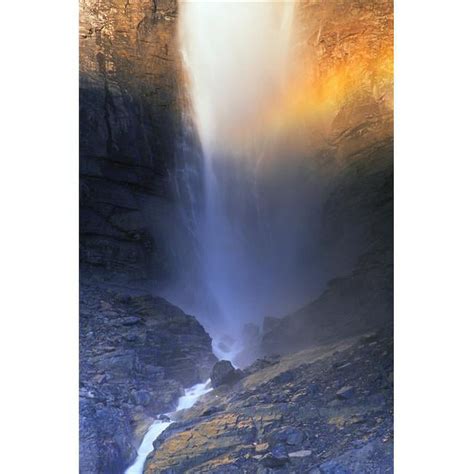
[236, 55]
[253, 229]
[190, 397]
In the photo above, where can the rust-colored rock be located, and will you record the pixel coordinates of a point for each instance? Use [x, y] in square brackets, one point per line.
[344, 71]
[200, 448]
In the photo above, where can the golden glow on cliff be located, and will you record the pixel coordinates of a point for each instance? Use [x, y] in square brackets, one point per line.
[251, 86]
[319, 100]
[235, 55]
[314, 103]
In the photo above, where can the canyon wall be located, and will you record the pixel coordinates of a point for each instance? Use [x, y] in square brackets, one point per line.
[129, 125]
[137, 354]
[346, 52]
[338, 106]
[344, 56]
[340, 102]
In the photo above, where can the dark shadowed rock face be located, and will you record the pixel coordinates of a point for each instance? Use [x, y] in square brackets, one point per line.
[224, 373]
[357, 222]
[353, 235]
[288, 416]
[136, 356]
[130, 122]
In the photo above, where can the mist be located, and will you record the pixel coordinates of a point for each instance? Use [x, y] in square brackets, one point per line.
[256, 215]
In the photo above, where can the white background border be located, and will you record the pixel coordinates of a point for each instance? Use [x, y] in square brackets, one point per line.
[434, 236]
[39, 236]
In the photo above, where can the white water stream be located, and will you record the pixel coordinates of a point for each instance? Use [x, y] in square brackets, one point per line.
[235, 55]
[190, 397]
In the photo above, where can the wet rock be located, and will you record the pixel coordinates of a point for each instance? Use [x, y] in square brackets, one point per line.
[295, 437]
[278, 457]
[345, 393]
[129, 321]
[341, 365]
[125, 380]
[300, 454]
[100, 378]
[164, 418]
[262, 429]
[224, 373]
[284, 377]
[211, 411]
[372, 457]
[313, 388]
[289, 435]
[141, 397]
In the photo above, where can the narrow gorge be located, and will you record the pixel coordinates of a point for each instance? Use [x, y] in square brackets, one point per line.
[236, 203]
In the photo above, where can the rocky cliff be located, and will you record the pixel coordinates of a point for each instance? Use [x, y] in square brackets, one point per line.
[130, 114]
[344, 64]
[339, 111]
[344, 98]
[136, 356]
[320, 411]
[343, 67]
[340, 101]
[326, 409]
[357, 234]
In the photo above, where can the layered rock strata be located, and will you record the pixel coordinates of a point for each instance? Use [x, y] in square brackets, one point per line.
[130, 123]
[358, 222]
[326, 409]
[136, 356]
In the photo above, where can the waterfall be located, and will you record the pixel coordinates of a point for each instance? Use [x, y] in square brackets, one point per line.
[190, 397]
[236, 59]
[235, 54]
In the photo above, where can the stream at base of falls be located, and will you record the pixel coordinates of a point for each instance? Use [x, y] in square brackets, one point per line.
[190, 397]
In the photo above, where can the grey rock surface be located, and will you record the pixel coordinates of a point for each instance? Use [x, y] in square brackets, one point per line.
[224, 373]
[137, 354]
[270, 422]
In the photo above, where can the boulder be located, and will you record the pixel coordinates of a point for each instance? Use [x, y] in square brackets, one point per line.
[290, 435]
[126, 381]
[224, 373]
[141, 397]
